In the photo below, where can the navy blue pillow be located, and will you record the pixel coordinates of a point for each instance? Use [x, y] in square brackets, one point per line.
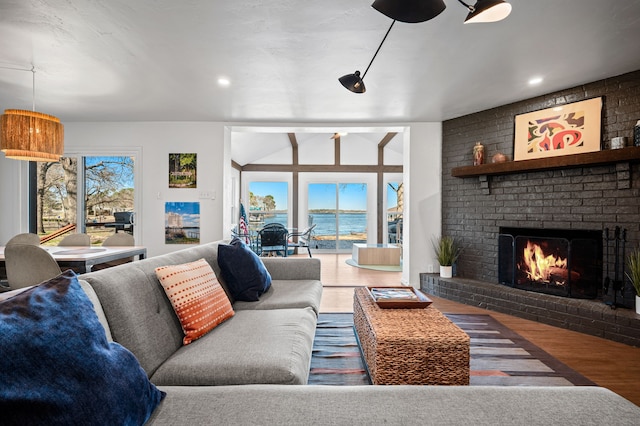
[243, 271]
[57, 367]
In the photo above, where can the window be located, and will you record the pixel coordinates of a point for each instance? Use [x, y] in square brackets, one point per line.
[268, 203]
[339, 211]
[395, 206]
[81, 194]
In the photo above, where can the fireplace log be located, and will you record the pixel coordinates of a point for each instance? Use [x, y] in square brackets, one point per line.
[561, 275]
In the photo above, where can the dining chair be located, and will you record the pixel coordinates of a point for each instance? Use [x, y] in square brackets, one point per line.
[28, 265]
[76, 240]
[249, 238]
[119, 240]
[115, 240]
[303, 238]
[26, 238]
[273, 239]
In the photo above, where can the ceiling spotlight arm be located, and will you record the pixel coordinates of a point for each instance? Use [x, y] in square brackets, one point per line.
[468, 6]
[381, 43]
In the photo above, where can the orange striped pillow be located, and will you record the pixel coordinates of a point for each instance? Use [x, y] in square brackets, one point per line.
[196, 296]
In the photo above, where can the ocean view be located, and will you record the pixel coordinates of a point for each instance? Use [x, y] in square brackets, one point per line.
[350, 223]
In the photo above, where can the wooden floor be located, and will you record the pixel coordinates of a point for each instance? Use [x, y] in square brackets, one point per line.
[609, 364]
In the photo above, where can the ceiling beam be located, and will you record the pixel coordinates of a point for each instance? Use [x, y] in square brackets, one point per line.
[381, 216]
[294, 181]
[294, 147]
[314, 168]
[293, 140]
[387, 139]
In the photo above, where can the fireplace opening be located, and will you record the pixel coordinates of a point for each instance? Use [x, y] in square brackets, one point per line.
[553, 261]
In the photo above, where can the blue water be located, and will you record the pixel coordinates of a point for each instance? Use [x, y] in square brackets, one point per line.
[326, 222]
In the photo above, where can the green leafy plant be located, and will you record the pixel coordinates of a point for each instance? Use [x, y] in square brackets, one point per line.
[633, 265]
[447, 250]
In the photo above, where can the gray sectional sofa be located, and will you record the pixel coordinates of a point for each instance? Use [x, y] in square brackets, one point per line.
[265, 342]
[253, 368]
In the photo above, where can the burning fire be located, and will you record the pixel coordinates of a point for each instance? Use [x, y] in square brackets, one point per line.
[541, 267]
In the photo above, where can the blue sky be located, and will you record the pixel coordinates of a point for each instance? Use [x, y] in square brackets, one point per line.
[126, 179]
[392, 196]
[190, 213]
[277, 189]
[353, 196]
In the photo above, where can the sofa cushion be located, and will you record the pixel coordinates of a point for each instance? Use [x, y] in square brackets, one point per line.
[243, 271]
[196, 296]
[57, 367]
[97, 307]
[270, 346]
[394, 405]
[139, 313]
[287, 294]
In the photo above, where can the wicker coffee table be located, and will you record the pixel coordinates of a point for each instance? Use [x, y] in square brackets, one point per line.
[410, 346]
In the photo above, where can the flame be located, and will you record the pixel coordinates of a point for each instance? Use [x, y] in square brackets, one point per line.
[539, 266]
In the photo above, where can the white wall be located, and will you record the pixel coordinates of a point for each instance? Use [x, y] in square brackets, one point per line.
[423, 198]
[422, 180]
[14, 214]
[156, 140]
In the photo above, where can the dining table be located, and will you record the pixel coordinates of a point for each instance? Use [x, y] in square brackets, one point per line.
[81, 258]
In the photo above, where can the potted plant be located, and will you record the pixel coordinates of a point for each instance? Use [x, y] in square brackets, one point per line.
[447, 251]
[633, 265]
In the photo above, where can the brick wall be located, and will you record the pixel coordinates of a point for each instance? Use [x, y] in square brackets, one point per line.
[572, 198]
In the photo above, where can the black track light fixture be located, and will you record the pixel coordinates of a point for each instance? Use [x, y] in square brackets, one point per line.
[354, 82]
[414, 11]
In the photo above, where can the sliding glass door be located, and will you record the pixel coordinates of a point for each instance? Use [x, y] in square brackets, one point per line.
[339, 211]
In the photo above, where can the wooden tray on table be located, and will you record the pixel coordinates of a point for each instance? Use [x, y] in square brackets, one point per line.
[399, 297]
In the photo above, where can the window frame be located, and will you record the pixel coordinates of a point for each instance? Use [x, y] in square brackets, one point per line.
[80, 153]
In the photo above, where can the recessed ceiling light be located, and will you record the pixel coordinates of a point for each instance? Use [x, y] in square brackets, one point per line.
[223, 81]
[535, 80]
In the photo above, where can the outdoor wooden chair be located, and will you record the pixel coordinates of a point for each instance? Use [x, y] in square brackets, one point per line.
[123, 222]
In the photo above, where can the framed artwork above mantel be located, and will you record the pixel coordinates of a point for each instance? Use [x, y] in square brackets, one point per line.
[561, 130]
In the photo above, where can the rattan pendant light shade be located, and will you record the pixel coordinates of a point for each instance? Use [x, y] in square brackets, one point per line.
[31, 136]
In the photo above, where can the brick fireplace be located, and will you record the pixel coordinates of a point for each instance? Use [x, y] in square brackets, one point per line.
[562, 262]
[588, 198]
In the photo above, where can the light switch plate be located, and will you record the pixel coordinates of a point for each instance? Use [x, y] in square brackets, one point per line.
[207, 195]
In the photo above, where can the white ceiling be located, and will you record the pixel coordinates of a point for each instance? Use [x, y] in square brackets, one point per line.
[159, 60]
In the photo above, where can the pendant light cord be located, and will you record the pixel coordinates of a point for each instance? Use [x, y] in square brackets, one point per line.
[376, 54]
[33, 76]
[33, 81]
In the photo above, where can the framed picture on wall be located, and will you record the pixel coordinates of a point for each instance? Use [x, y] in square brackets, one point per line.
[562, 130]
[183, 170]
[182, 223]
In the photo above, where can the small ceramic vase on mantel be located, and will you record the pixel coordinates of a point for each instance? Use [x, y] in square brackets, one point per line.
[478, 154]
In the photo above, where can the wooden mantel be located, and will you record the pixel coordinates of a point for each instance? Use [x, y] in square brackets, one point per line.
[609, 156]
